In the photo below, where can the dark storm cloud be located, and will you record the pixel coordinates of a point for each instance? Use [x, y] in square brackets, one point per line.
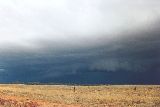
[76, 41]
[132, 55]
[138, 52]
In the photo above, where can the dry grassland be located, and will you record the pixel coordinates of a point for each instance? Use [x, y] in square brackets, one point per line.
[83, 96]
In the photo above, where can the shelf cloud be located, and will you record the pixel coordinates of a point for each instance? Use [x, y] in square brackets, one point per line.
[49, 41]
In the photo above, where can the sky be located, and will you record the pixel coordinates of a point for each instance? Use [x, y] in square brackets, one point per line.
[80, 41]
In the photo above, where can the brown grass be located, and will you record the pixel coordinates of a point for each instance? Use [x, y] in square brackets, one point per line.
[85, 96]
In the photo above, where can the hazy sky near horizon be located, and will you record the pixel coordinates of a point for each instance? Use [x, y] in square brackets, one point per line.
[50, 39]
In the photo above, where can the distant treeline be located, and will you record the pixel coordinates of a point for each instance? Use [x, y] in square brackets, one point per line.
[39, 83]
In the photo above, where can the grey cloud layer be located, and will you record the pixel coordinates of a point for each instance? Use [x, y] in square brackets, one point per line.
[73, 22]
[132, 54]
[42, 41]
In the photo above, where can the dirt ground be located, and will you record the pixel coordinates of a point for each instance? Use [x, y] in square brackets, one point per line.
[19, 95]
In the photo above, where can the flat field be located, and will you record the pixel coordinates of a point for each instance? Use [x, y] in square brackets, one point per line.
[19, 95]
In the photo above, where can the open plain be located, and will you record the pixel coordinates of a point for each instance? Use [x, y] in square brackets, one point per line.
[20, 95]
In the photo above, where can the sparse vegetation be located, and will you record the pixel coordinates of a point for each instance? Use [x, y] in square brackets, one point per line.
[79, 96]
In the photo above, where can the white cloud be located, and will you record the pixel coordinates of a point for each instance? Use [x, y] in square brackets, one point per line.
[82, 22]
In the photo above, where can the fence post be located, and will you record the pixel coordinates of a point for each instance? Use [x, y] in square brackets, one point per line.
[74, 88]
